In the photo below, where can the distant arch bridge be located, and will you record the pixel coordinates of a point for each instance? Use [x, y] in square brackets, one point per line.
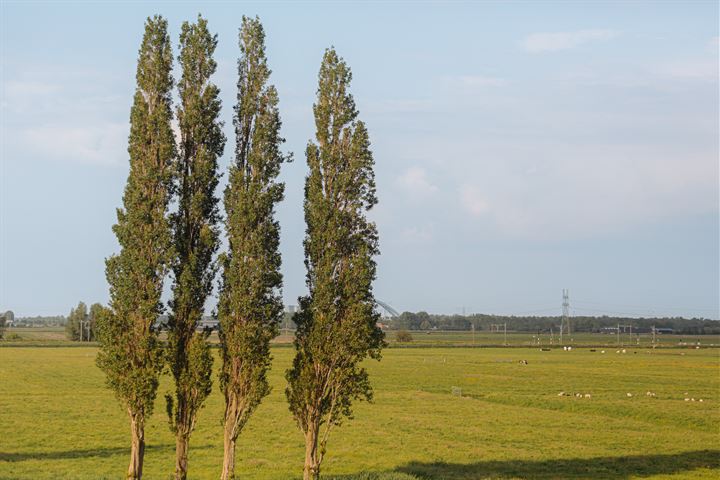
[388, 309]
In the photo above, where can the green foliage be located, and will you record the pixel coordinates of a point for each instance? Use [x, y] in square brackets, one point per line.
[403, 336]
[250, 306]
[528, 323]
[95, 312]
[76, 321]
[336, 323]
[82, 319]
[194, 226]
[130, 353]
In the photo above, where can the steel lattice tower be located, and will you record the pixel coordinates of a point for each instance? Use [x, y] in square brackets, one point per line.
[565, 323]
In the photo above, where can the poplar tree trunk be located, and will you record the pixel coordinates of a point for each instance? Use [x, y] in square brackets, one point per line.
[312, 463]
[230, 435]
[137, 446]
[228, 469]
[182, 444]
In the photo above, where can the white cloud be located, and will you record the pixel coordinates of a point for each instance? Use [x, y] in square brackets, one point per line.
[692, 69]
[385, 107]
[421, 234]
[16, 90]
[578, 191]
[551, 42]
[415, 182]
[480, 81]
[473, 201]
[104, 144]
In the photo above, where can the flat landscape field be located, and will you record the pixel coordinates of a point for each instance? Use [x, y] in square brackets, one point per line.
[55, 336]
[505, 419]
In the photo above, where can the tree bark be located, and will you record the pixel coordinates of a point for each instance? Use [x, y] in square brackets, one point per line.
[182, 444]
[312, 463]
[230, 435]
[137, 446]
[228, 470]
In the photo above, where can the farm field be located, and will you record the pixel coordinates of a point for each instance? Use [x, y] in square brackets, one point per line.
[59, 421]
[55, 336]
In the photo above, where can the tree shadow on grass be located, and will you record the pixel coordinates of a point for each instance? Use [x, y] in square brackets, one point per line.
[615, 468]
[85, 453]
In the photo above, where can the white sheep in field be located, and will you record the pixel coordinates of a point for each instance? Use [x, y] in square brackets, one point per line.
[602, 351]
[629, 394]
[687, 399]
[587, 395]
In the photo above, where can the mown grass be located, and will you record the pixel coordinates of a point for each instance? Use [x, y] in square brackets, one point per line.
[55, 336]
[57, 420]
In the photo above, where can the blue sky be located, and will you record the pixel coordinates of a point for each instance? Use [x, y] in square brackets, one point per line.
[521, 147]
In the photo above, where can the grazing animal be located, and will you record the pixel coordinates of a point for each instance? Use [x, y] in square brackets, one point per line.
[629, 394]
[587, 395]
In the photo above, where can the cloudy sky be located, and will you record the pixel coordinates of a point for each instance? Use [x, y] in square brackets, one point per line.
[521, 147]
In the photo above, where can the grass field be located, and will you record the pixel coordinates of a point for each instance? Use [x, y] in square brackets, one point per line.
[55, 336]
[57, 420]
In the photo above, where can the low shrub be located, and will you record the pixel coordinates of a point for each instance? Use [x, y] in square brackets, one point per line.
[403, 336]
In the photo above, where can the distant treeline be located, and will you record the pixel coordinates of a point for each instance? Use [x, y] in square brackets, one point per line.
[52, 321]
[426, 321]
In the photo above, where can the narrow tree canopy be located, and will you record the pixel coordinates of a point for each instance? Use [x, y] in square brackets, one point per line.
[130, 353]
[250, 306]
[195, 232]
[336, 323]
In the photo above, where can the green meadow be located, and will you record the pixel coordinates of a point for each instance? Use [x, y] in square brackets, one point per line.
[503, 419]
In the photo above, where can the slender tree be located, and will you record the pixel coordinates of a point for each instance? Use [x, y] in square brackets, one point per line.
[96, 310]
[76, 323]
[195, 233]
[130, 354]
[250, 307]
[336, 323]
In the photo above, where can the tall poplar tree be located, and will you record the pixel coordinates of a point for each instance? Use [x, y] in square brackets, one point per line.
[336, 323]
[195, 233]
[250, 307]
[75, 328]
[130, 354]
